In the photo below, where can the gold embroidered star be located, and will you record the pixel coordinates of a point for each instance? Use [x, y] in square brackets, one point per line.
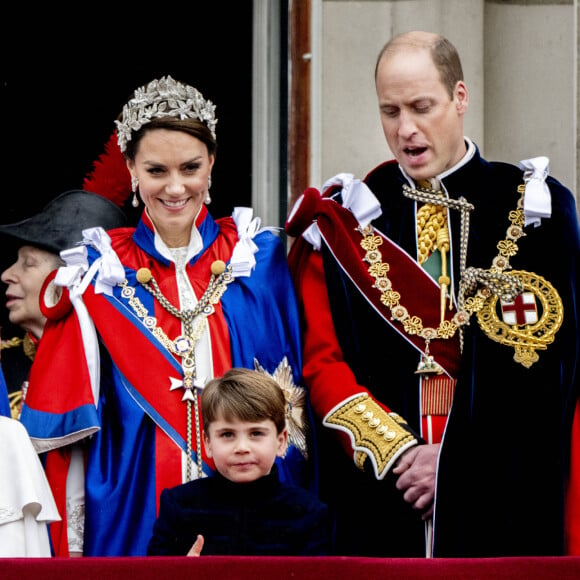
[296, 419]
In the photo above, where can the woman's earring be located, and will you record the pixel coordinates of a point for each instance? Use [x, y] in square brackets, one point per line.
[134, 186]
[207, 199]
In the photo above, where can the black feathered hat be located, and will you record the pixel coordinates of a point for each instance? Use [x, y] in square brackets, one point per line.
[59, 225]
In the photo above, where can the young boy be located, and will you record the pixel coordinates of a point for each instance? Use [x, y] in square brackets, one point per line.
[244, 509]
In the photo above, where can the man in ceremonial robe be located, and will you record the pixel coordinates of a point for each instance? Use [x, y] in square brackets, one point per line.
[439, 298]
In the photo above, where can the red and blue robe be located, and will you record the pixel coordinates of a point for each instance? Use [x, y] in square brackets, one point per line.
[120, 408]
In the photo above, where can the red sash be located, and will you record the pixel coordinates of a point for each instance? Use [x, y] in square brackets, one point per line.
[418, 291]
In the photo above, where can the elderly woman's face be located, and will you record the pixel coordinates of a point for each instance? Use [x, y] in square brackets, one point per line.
[24, 279]
[173, 169]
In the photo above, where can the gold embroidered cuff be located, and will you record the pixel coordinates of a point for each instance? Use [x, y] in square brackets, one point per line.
[359, 459]
[374, 432]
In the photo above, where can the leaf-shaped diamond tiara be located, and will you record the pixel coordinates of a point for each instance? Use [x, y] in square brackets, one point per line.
[165, 97]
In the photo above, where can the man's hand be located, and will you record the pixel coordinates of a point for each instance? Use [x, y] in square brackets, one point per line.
[197, 547]
[416, 470]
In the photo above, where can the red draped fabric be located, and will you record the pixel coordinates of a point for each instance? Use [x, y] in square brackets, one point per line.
[292, 568]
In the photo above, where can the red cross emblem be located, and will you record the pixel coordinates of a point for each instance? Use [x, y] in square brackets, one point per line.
[522, 310]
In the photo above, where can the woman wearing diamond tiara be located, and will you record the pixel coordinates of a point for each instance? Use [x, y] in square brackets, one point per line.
[151, 314]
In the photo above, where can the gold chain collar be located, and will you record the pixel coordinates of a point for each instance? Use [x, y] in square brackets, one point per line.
[391, 298]
[483, 287]
[183, 345]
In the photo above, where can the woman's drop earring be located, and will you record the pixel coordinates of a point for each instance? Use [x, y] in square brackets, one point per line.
[134, 186]
[207, 199]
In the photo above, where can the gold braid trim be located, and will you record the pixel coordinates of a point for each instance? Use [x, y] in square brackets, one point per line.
[430, 220]
[10, 342]
[15, 399]
[376, 433]
[27, 344]
[29, 347]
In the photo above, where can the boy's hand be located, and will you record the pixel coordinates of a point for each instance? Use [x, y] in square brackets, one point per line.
[197, 547]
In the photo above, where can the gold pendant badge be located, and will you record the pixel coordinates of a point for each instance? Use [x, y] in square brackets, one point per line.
[529, 323]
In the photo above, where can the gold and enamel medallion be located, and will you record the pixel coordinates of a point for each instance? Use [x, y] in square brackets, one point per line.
[529, 322]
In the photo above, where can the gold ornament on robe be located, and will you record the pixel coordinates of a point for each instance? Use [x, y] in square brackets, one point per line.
[525, 338]
[296, 418]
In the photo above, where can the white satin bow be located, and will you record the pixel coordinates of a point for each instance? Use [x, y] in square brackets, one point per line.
[107, 266]
[356, 197]
[76, 276]
[71, 275]
[243, 260]
[537, 198]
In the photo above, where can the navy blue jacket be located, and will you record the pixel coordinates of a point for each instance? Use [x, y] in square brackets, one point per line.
[262, 518]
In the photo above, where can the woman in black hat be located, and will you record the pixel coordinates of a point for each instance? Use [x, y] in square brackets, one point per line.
[36, 243]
